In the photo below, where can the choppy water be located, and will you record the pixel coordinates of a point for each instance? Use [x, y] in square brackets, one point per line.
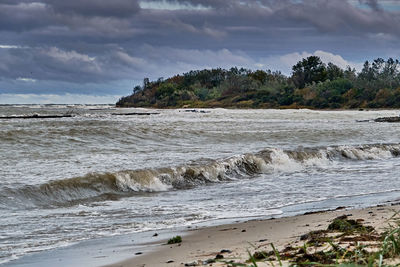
[70, 179]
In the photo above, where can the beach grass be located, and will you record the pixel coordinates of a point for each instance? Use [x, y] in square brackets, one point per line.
[344, 243]
[175, 240]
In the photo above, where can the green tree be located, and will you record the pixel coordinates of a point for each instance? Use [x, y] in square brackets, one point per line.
[165, 89]
[146, 83]
[259, 75]
[350, 74]
[333, 72]
[308, 70]
[137, 89]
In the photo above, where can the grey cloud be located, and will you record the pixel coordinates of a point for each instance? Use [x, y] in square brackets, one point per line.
[78, 17]
[325, 15]
[24, 16]
[49, 63]
[98, 41]
[122, 19]
[104, 8]
[52, 63]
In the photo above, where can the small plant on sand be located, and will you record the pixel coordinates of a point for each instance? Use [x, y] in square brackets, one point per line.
[252, 260]
[175, 240]
[391, 239]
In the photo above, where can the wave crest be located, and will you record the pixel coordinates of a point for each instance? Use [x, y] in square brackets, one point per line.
[110, 186]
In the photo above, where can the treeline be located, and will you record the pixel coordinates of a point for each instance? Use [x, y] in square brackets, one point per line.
[312, 84]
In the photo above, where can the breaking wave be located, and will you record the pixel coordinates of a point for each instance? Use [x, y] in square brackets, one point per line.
[111, 186]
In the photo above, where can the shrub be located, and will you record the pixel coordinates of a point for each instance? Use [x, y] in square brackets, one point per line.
[175, 240]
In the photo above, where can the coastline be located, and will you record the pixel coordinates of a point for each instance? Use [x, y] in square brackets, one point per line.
[238, 239]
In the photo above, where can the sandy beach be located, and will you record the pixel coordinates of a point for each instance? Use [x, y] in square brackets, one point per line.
[233, 241]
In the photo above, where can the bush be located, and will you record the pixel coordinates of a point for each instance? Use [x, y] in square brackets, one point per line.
[175, 240]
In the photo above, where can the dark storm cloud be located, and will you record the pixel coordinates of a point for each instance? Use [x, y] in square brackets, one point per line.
[98, 41]
[114, 8]
[24, 16]
[324, 15]
[71, 18]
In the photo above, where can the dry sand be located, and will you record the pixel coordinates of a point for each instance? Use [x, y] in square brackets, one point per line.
[205, 243]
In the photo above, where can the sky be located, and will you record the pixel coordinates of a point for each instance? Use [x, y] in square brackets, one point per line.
[95, 51]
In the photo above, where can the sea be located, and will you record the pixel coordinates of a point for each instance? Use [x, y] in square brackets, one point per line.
[101, 174]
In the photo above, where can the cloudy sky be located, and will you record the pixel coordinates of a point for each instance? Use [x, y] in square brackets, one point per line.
[95, 51]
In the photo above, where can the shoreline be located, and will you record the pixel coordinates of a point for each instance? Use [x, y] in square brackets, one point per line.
[234, 241]
[147, 249]
[248, 108]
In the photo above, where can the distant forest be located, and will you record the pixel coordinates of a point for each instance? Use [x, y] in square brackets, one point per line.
[312, 84]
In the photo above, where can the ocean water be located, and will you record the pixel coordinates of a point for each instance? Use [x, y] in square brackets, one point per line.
[66, 180]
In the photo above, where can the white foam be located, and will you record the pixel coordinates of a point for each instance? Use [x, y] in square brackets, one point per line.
[126, 182]
[281, 162]
[320, 160]
[365, 153]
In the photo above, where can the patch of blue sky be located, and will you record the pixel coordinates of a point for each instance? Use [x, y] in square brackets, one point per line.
[387, 5]
[170, 5]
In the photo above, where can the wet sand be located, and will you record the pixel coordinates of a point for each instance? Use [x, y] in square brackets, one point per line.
[237, 239]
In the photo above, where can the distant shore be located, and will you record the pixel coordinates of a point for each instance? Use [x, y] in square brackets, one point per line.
[313, 84]
[235, 241]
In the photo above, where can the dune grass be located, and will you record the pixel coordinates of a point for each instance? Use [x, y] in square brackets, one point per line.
[175, 240]
[344, 243]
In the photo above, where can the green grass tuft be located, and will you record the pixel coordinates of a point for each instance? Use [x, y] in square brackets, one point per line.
[175, 240]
